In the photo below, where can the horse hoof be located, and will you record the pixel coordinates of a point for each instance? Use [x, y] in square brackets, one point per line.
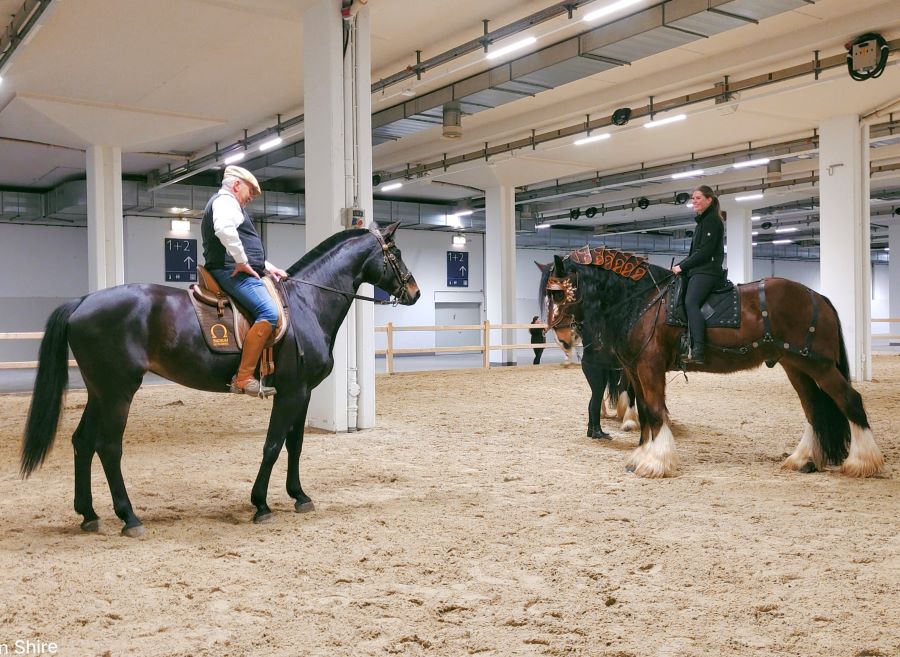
[304, 507]
[91, 525]
[263, 519]
[808, 467]
[630, 468]
[133, 532]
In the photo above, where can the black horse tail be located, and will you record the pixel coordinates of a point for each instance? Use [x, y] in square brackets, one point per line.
[829, 422]
[50, 383]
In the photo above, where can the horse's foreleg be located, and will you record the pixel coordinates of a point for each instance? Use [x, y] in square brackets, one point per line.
[302, 503]
[656, 457]
[83, 446]
[280, 421]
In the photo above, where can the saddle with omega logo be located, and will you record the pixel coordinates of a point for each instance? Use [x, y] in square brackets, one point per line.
[223, 328]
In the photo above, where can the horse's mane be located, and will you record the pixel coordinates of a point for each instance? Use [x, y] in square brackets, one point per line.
[326, 245]
[611, 300]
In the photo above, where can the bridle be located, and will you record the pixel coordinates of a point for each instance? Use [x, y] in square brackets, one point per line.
[389, 259]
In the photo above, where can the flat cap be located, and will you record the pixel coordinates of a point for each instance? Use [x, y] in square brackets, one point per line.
[242, 174]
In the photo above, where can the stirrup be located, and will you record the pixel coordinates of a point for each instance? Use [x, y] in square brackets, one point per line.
[253, 387]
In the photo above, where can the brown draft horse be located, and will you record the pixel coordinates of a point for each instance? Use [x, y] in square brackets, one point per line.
[621, 299]
[120, 333]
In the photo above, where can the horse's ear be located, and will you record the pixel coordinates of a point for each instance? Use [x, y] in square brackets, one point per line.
[541, 267]
[559, 270]
[388, 233]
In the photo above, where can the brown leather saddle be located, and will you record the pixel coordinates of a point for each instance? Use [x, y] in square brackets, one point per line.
[223, 328]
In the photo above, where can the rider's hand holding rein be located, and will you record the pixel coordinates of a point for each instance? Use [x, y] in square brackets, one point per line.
[676, 269]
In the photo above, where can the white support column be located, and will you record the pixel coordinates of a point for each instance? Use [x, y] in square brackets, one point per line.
[893, 278]
[500, 267]
[323, 109]
[106, 244]
[845, 242]
[365, 311]
[738, 239]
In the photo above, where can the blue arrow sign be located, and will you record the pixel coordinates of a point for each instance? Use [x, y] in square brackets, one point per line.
[457, 269]
[181, 260]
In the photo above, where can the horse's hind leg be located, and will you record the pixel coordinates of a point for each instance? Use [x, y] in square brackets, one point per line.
[83, 445]
[864, 458]
[808, 455]
[108, 424]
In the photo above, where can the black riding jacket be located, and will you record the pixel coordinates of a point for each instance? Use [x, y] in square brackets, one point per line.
[707, 246]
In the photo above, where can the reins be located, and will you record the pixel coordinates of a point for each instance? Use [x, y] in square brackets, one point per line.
[389, 260]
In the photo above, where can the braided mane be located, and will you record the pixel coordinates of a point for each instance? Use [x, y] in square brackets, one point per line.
[622, 263]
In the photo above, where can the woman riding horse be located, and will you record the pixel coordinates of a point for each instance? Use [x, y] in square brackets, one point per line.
[622, 298]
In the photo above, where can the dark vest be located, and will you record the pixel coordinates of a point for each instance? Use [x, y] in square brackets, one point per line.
[214, 252]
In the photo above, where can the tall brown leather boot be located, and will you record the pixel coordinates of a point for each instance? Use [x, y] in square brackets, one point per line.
[255, 341]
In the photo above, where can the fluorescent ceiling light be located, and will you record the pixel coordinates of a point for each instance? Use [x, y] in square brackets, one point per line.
[754, 233]
[786, 230]
[687, 174]
[545, 225]
[179, 210]
[749, 197]
[668, 119]
[608, 9]
[271, 143]
[754, 243]
[518, 45]
[591, 139]
[391, 187]
[237, 157]
[462, 213]
[1, 79]
[751, 163]
[782, 241]
[756, 217]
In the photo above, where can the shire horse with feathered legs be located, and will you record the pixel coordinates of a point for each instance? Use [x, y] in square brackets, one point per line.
[622, 298]
[119, 334]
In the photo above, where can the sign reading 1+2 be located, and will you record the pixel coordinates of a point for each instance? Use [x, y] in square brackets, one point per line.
[181, 260]
[457, 269]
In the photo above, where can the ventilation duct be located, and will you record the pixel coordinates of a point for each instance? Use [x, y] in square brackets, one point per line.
[452, 121]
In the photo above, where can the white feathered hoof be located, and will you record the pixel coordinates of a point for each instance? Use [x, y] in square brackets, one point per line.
[807, 457]
[659, 459]
[865, 459]
[630, 419]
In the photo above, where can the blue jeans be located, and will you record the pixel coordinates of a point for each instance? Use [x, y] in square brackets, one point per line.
[250, 292]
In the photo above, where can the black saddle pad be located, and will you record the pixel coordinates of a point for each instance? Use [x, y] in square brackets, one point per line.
[722, 308]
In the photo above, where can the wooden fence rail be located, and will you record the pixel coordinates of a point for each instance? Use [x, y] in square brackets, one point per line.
[485, 346]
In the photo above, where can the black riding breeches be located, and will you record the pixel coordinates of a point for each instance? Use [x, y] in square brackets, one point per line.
[698, 288]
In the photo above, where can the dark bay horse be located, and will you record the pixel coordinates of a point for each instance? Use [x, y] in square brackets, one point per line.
[622, 298]
[601, 370]
[119, 334]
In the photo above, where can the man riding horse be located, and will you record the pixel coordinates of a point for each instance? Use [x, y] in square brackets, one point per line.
[235, 256]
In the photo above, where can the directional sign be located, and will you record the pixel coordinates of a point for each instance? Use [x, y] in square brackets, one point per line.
[181, 260]
[457, 269]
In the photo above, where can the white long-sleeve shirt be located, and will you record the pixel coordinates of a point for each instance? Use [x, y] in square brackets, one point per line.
[227, 215]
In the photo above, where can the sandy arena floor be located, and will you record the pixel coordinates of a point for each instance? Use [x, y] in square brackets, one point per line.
[476, 519]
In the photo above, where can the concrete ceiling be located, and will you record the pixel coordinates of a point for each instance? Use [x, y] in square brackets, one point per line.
[169, 79]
